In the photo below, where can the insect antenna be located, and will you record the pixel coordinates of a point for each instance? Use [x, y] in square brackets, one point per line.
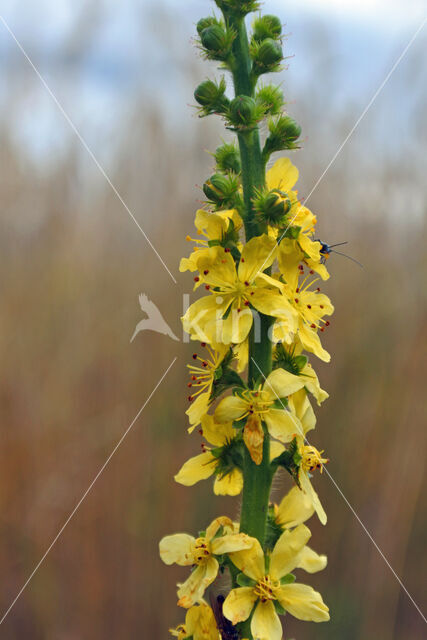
[346, 256]
[337, 244]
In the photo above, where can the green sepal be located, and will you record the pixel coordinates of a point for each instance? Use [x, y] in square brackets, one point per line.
[281, 611]
[202, 534]
[219, 533]
[225, 378]
[291, 232]
[284, 358]
[289, 578]
[227, 157]
[280, 403]
[245, 581]
[273, 530]
[290, 460]
[237, 8]
[301, 361]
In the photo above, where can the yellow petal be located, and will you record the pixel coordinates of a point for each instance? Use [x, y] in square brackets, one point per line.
[253, 437]
[282, 383]
[250, 561]
[285, 554]
[238, 604]
[258, 254]
[312, 384]
[231, 408]
[235, 328]
[192, 590]
[282, 425]
[295, 508]
[241, 352]
[177, 549]
[197, 409]
[311, 342]
[301, 407]
[307, 487]
[195, 469]
[265, 624]
[303, 602]
[215, 432]
[211, 223]
[231, 543]
[203, 313]
[223, 521]
[200, 623]
[289, 256]
[311, 561]
[218, 267]
[275, 449]
[283, 175]
[272, 303]
[229, 485]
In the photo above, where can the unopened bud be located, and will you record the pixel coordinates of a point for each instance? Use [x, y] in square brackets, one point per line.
[242, 110]
[267, 27]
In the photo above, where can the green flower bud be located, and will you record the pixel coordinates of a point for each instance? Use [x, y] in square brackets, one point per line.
[284, 133]
[266, 27]
[221, 189]
[244, 112]
[204, 23]
[211, 97]
[216, 41]
[271, 99]
[238, 8]
[271, 206]
[228, 158]
[267, 55]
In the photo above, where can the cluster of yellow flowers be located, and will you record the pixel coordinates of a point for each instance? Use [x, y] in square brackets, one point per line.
[277, 275]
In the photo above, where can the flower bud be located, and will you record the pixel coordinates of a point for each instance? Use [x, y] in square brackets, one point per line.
[284, 133]
[267, 27]
[220, 189]
[271, 206]
[204, 23]
[216, 41]
[228, 158]
[267, 55]
[211, 97]
[242, 110]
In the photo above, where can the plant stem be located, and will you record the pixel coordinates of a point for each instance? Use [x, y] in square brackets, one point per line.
[257, 478]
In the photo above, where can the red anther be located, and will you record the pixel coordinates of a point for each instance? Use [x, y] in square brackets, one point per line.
[322, 329]
[327, 323]
[238, 310]
[201, 431]
[313, 326]
[321, 306]
[227, 250]
[309, 306]
[256, 394]
[246, 304]
[250, 411]
[204, 364]
[194, 356]
[205, 272]
[252, 293]
[242, 259]
[318, 289]
[311, 271]
[196, 279]
[246, 283]
[190, 398]
[297, 290]
[207, 287]
[189, 384]
[193, 378]
[203, 344]
[300, 267]
[296, 300]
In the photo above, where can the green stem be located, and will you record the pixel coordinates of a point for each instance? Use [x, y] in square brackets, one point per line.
[257, 478]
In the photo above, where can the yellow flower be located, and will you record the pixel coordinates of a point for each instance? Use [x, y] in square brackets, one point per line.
[199, 624]
[311, 306]
[295, 508]
[220, 461]
[311, 458]
[185, 550]
[290, 358]
[211, 227]
[283, 175]
[202, 379]
[260, 406]
[225, 316]
[271, 585]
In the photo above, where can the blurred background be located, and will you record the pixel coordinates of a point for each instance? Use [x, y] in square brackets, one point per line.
[73, 263]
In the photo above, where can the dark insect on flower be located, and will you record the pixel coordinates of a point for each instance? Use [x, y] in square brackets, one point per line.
[327, 249]
[226, 629]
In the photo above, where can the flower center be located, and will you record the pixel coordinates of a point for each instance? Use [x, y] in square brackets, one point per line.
[202, 376]
[265, 588]
[312, 459]
[201, 551]
[259, 402]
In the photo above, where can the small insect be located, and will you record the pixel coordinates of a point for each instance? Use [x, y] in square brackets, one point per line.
[327, 249]
[226, 629]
